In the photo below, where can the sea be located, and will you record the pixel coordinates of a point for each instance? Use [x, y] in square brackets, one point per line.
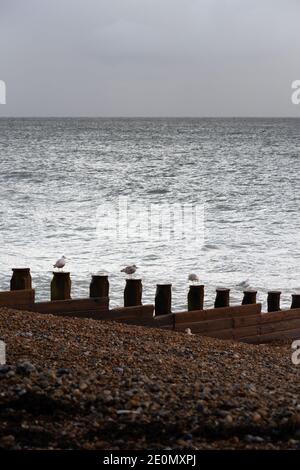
[174, 196]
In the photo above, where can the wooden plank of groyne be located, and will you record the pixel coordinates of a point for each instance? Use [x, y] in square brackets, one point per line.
[281, 315]
[216, 313]
[278, 335]
[220, 334]
[246, 332]
[163, 321]
[244, 321]
[73, 307]
[19, 299]
[209, 328]
[97, 308]
[206, 326]
[289, 324]
[138, 313]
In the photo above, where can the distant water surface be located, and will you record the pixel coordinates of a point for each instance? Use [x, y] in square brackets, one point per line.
[58, 176]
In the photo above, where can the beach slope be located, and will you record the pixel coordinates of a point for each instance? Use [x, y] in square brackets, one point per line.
[74, 383]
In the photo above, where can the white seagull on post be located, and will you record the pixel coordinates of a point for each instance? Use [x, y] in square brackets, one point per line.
[60, 263]
[193, 278]
[129, 270]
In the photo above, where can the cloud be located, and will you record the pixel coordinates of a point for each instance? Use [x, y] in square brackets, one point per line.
[86, 57]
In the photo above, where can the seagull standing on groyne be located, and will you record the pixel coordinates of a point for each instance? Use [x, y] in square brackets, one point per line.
[60, 263]
[130, 270]
[243, 284]
[193, 278]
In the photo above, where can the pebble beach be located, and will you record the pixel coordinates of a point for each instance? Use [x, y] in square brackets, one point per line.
[73, 383]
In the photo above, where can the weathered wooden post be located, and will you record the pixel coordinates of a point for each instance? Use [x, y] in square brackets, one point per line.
[99, 286]
[274, 301]
[133, 292]
[21, 279]
[195, 297]
[60, 286]
[249, 297]
[163, 299]
[222, 298]
[295, 301]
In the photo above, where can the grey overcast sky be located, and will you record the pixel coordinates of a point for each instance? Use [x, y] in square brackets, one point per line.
[149, 57]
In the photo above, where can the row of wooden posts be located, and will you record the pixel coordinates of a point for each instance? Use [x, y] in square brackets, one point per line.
[99, 287]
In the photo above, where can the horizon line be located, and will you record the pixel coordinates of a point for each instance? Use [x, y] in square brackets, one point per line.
[145, 117]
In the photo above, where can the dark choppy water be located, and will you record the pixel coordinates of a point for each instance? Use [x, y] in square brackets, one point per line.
[59, 177]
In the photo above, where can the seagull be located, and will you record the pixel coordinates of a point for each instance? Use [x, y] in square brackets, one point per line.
[188, 331]
[193, 278]
[243, 284]
[129, 269]
[60, 262]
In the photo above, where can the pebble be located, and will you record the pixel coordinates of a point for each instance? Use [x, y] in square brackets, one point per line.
[256, 417]
[4, 369]
[250, 438]
[62, 371]
[25, 368]
[200, 408]
[7, 441]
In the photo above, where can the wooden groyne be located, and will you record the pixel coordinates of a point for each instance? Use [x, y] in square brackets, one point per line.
[245, 322]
